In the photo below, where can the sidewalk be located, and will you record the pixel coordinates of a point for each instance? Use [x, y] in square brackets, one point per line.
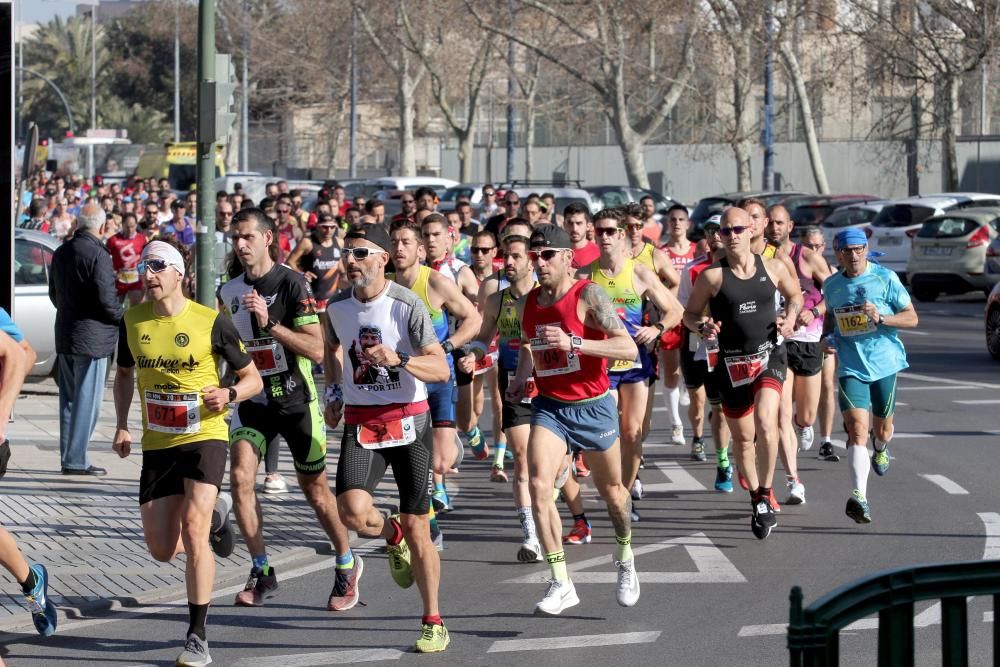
[88, 533]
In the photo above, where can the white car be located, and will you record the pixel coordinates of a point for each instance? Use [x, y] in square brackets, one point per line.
[33, 311]
[406, 183]
[846, 217]
[893, 229]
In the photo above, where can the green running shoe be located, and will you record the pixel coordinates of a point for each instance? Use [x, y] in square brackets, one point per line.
[399, 563]
[880, 461]
[433, 639]
[857, 508]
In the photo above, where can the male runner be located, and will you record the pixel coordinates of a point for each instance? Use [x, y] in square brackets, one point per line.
[317, 256]
[126, 247]
[274, 312]
[381, 350]
[739, 292]
[577, 223]
[569, 331]
[627, 283]
[868, 304]
[177, 345]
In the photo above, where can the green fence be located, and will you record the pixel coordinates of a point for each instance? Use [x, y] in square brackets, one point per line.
[813, 633]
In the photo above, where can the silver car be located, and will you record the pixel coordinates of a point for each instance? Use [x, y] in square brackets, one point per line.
[33, 312]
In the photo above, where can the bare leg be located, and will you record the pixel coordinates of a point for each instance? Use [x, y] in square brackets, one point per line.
[546, 453]
[424, 559]
[244, 462]
[196, 522]
[317, 491]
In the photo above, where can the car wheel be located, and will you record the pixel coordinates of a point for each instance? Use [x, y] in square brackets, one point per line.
[993, 332]
[925, 294]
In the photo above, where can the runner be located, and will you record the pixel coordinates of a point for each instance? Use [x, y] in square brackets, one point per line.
[577, 223]
[569, 331]
[800, 395]
[627, 283]
[739, 292]
[869, 304]
[177, 345]
[126, 247]
[317, 256]
[274, 312]
[702, 383]
[385, 333]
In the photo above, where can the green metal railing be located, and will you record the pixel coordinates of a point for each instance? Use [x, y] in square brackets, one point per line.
[813, 633]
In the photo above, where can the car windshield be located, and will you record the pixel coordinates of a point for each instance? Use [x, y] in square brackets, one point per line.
[849, 217]
[811, 215]
[902, 215]
[710, 206]
[947, 228]
[453, 194]
[184, 176]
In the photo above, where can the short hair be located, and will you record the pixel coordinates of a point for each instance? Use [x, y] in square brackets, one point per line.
[575, 208]
[295, 193]
[645, 197]
[548, 195]
[676, 207]
[405, 223]
[127, 215]
[372, 204]
[616, 214]
[809, 230]
[632, 209]
[425, 191]
[751, 201]
[91, 217]
[37, 207]
[221, 194]
[485, 233]
[463, 203]
[257, 216]
[434, 217]
[352, 208]
[515, 238]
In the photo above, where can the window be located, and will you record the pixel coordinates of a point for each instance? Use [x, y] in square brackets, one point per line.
[947, 228]
[31, 263]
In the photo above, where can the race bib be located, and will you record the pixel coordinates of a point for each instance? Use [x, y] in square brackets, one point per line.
[550, 360]
[852, 321]
[530, 388]
[747, 368]
[268, 356]
[485, 364]
[173, 413]
[395, 433]
[128, 276]
[622, 365]
[711, 353]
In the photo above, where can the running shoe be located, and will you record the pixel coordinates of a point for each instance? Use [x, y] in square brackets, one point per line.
[724, 479]
[559, 596]
[530, 552]
[43, 612]
[634, 515]
[880, 461]
[628, 583]
[480, 449]
[275, 484]
[442, 503]
[220, 536]
[259, 587]
[857, 508]
[345, 593]
[763, 520]
[433, 639]
[698, 450]
[826, 452]
[459, 452]
[399, 564]
[806, 436]
[796, 492]
[744, 484]
[580, 533]
[563, 476]
[508, 455]
[773, 501]
[195, 653]
[498, 476]
[677, 435]
[580, 468]
[636, 490]
[642, 462]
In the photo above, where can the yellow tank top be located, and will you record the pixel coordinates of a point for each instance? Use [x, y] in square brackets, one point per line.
[645, 256]
[438, 317]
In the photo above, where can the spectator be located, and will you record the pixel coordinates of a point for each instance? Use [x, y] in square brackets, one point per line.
[426, 199]
[223, 239]
[61, 221]
[179, 226]
[376, 209]
[88, 311]
[37, 219]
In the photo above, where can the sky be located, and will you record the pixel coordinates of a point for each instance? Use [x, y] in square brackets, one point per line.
[42, 11]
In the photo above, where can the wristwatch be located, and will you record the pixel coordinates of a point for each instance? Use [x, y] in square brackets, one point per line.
[270, 325]
[575, 343]
[448, 346]
[815, 311]
[232, 394]
[404, 359]
[659, 325]
[881, 319]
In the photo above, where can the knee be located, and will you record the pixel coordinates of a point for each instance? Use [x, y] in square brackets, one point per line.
[541, 490]
[164, 553]
[416, 530]
[242, 479]
[352, 513]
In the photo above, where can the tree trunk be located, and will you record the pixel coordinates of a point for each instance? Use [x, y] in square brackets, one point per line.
[529, 144]
[466, 140]
[631, 145]
[744, 172]
[407, 158]
[805, 110]
[949, 171]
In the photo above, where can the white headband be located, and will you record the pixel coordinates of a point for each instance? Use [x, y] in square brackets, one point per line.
[167, 253]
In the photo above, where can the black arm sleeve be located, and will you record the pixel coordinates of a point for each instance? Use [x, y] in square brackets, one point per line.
[124, 357]
[226, 343]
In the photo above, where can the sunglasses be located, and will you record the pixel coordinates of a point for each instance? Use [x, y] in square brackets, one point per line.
[482, 250]
[605, 231]
[408, 201]
[712, 230]
[154, 265]
[729, 231]
[547, 255]
[284, 210]
[489, 194]
[513, 202]
[362, 253]
[632, 227]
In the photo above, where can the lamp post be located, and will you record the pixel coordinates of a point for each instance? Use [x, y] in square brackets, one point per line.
[177, 71]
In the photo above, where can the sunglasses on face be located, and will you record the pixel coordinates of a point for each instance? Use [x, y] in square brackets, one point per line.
[482, 250]
[154, 265]
[489, 194]
[547, 255]
[362, 253]
[729, 231]
[284, 210]
[712, 230]
[513, 202]
[605, 231]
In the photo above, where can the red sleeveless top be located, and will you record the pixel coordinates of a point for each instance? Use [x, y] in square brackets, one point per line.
[559, 375]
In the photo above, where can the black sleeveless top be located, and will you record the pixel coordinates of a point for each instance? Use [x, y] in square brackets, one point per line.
[746, 310]
[324, 263]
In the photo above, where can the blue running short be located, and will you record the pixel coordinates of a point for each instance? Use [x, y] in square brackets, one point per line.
[634, 375]
[590, 426]
[441, 397]
[878, 396]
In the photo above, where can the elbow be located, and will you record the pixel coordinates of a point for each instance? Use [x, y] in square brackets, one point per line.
[257, 383]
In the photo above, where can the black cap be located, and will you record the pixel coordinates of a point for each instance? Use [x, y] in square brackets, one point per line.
[548, 235]
[372, 233]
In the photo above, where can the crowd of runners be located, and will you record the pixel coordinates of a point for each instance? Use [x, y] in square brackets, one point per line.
[566, 322]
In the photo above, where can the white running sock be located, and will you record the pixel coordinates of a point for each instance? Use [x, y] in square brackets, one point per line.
[672, 399]
[527, 524]
[858, 458]
[827, 437]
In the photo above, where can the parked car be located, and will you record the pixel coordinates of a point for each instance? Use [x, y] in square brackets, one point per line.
[893, 229]
[564, 196]
[471, 191]
[709, 206]
[992, 320]
[814, 210]
[373, 185]
[949, 253]
[33, 312]
[609, 196]
[845, 217]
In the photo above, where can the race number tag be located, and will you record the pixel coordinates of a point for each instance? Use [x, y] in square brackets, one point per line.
[530, 388]
[711, 353]
[395, 433]
[622, 365]
[488, 360]
[852, 321]
[550, 360]
[268, 356]
[745, 369]
[128, 276]
[173, 413]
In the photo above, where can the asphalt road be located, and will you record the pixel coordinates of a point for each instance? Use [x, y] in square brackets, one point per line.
[711, 592]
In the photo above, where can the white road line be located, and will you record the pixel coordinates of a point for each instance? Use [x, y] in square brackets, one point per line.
[680, 479]
[326, 658]
[991, 521]
[926, 618]
[910, 436]
[911, 332]
[946, 484]
[936, 387]
[579, 641]
[987, 617]
[980, 401]
[934, 378]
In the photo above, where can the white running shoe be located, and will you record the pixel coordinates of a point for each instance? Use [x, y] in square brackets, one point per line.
[796, 492]
[275, 484]
[677, 435]
[806, 437]
[628, 583]
[560, 595]
[637, 489]
[530, 552]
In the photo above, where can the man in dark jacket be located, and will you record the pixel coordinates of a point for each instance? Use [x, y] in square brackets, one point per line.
[82, 289]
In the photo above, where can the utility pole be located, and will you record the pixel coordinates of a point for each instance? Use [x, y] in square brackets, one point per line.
[93, 85]
[352, 170]
[177, 71]
[511, 54]
[245, 101]
[206, 154]
[767, 137]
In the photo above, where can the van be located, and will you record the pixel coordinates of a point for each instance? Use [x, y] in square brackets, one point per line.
[178, 163]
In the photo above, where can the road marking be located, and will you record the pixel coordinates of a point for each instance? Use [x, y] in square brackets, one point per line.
[935, 387]
[987, 617]
[680, 479]
[946, 484]
[327, 658]
[980, 401]
[713, 567]
[911, 332]
[991, 521]
[934, 378]
[905, 436]
[579, 641]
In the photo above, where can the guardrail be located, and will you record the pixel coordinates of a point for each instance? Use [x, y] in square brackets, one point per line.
[813, 633]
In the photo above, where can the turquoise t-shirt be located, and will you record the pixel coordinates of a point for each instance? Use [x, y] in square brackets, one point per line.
[865, 350]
